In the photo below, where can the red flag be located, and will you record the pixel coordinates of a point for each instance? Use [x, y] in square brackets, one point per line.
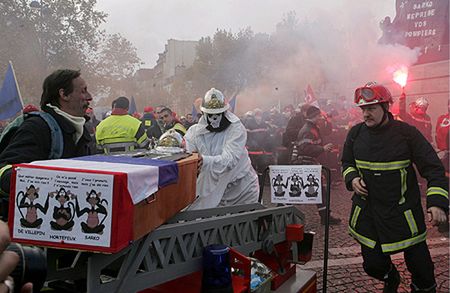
[310, 97]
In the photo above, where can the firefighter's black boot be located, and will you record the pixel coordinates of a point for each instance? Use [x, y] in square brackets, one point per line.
[391, 281]
[415, 289]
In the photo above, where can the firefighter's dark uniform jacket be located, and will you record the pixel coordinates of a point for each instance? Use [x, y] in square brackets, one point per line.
[151, 126]
[292, 128]
[177, 126]
[308, 145]
[391, 214]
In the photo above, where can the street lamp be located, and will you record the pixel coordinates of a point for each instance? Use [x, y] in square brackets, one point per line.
[35, 4]
[43, 11]
[43, 8]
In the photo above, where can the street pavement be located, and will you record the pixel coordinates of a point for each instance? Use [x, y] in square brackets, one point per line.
[345, 271]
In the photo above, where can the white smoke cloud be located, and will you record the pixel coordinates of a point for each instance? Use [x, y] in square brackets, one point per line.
[341, 53]
[342, 35]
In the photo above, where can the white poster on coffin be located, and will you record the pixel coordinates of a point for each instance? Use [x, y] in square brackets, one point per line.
[296, 184]
[63, 207]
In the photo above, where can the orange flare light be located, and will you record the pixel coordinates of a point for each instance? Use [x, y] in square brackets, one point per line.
[401, 76]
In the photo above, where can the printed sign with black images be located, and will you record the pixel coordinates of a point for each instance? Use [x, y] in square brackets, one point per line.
[296, 184]
[63, 206]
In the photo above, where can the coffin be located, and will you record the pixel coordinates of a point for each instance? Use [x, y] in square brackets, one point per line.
[97, 203]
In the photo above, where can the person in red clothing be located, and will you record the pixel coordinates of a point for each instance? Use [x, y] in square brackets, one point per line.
[418, 116]
[442, 143]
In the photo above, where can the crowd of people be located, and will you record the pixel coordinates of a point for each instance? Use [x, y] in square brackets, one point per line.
[378, 156]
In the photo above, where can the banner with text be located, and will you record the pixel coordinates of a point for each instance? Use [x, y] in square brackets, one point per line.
[419, 23]
[70, 207]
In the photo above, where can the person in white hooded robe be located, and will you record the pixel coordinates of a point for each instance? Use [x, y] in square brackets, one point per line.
[226, 175]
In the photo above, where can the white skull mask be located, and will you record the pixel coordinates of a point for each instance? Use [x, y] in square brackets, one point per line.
[214, 120]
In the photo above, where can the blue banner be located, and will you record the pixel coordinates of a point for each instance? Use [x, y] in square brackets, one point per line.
[132, 108]
[194, 113]
[232, 103]
[10, 101]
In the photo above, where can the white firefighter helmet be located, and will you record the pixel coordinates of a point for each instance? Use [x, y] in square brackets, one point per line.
[170, 142]
[214, 102]
[422, 102]
[170, 138]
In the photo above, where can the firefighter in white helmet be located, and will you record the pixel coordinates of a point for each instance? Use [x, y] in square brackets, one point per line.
[226, 176]
[417, 115]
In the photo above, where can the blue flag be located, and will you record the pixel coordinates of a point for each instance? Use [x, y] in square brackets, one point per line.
[194, 113]
[10, 100]
[232, 103]
[132, 108]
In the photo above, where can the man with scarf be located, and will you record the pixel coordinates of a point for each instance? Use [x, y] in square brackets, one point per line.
[226, 176]
[387, 217]
[66, 98]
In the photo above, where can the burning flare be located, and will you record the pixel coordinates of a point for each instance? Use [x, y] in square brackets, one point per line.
[401, 76]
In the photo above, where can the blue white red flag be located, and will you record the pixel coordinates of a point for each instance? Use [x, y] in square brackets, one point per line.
[145, 176]
[10, 99]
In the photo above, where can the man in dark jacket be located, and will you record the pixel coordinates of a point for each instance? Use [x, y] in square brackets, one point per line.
[66, 98]
[150, 123]
[171, 122]
[387, 216]
[308, 147]
[294, 125]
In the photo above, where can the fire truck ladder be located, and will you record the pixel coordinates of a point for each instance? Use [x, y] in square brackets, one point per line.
[175, 249]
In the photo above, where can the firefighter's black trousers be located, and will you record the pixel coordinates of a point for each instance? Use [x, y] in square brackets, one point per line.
[418, 261]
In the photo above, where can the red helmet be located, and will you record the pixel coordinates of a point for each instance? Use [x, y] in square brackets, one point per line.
[148, 109]
[29, 108]
[371, 94]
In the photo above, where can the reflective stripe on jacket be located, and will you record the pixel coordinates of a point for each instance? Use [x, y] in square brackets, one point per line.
[391, 213]
[120, 129]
